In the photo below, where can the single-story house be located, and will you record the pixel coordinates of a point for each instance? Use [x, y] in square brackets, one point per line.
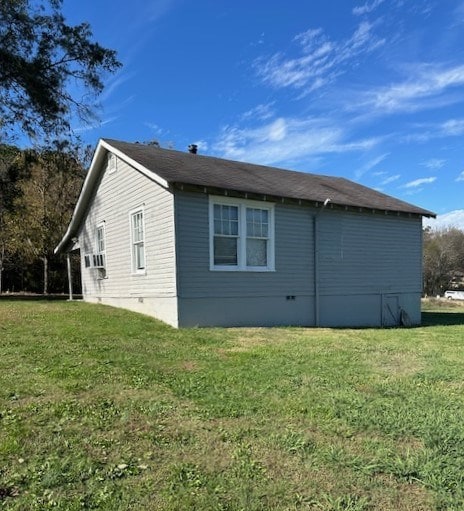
[201, 241]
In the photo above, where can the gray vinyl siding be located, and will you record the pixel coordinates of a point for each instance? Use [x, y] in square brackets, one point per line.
[118, 194]
[294, 269]
[365, 262]
[369, 254]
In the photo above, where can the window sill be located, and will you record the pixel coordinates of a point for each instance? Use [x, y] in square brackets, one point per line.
[242, 270]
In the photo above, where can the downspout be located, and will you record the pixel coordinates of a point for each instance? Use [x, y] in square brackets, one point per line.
[68, 261]
[316, 264]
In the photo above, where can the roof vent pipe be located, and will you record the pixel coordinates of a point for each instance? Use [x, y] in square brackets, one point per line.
[193, 148]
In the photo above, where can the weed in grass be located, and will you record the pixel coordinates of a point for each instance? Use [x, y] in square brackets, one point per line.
[295, 443]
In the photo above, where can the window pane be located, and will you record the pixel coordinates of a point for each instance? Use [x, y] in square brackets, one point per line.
[256, 252]
[257, 223]
[225, 251]
[137, 225]
[139, 256]
[100, 240]
[225, 220]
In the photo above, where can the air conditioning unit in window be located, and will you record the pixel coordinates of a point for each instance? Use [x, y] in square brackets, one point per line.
[96, 261]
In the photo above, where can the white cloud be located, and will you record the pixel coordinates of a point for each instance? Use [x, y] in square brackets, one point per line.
[202, 145]
[113, 84]
[286, 139]
[370, 165]
[446, 220]
[450, 128]
[321, 59]
[156, 130]
[427, 82]
[390, 179]
[260, 112]
[367, 8]
[95, 125]
[433, 163]
[419, 182]
[460, 177]
[453, 127]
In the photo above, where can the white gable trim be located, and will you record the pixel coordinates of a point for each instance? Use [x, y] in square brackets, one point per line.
[96, 169]
[149, 173]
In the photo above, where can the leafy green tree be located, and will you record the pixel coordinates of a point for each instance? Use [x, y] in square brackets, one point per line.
[9, 155]
[42, 210]
[443, 266]
[40, 54]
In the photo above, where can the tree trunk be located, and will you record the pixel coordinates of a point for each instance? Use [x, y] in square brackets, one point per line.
[45, 275]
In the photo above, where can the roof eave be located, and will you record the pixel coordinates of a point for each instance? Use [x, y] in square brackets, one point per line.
[419, 212]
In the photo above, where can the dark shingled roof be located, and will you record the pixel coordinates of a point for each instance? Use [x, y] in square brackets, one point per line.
[177, 167]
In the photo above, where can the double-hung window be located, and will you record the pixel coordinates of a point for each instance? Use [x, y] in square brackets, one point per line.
[137, 241]
[241, 235]
[100, 253]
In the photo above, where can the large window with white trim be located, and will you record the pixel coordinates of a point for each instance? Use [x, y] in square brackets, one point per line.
[137, 241]
[241, 235]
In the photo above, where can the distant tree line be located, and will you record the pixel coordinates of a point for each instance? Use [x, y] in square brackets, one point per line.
[38, 192]
[443, 260]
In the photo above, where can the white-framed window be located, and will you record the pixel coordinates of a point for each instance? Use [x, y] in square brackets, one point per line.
[99, 257]
[112, 162]
[100, 239]
[241, 234]
[137, 229]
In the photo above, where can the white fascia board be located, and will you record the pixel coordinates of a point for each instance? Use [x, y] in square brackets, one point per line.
[93, 174]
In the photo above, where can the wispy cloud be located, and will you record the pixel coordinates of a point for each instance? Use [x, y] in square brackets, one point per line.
[433, 163]
[370, 165]
[261, 112]
[450, 128]
[320, 61]
[286, 139]
[202, 145]
[113, 84]
[453, 127]
[427, 83]
[419, 182]
[93, 126]
[390, 179]
[460, 177]
[154, 128]
[157, 9]
[367, 7]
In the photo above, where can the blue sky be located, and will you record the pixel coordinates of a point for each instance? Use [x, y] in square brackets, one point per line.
[371, 90]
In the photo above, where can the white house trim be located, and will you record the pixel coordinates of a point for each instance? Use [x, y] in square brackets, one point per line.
[93, 175]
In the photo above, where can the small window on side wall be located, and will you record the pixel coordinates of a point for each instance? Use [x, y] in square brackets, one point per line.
[137, 241]
[112, 163]
[99, 257]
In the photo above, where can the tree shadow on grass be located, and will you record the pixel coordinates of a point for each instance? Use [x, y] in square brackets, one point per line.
[442, 318]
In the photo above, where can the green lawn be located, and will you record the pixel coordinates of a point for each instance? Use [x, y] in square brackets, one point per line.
[101, 408]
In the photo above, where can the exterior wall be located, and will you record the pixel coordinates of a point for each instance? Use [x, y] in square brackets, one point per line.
[154, 291]
[332, 268]
[359, 270]
[370, 268]
[232, 298]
